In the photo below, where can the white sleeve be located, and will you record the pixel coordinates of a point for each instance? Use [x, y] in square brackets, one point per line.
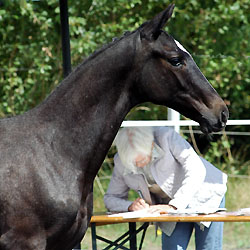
[116, 197]
[193, 167]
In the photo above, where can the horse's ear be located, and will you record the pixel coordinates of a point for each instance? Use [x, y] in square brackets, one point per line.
[152, 29]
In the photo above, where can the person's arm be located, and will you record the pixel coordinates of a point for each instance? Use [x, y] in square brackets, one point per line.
[193, 167]
[161, 208]
[116, 197]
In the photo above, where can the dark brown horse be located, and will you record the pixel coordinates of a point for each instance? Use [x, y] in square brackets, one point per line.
[51, 154]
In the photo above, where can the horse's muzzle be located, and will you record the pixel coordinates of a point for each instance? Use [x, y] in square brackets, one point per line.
[215, 124]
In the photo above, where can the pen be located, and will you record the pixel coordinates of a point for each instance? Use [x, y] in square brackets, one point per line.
[140, 194]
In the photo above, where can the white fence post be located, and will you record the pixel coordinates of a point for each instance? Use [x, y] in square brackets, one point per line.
[174, 116]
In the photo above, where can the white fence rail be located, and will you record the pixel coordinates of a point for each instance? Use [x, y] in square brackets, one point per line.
[174, 123]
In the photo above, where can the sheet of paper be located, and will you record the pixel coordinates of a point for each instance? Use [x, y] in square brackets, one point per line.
[243, 211]
[135, 214]
[197, 211]
[144, 212]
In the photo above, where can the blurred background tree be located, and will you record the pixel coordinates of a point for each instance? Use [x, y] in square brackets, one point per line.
[216, 32]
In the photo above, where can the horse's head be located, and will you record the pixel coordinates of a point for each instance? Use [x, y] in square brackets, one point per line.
[168, 75]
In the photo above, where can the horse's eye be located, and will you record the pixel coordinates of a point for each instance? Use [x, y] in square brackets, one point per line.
[175, 61]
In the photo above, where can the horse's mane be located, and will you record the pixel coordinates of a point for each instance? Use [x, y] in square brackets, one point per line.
[114, 41]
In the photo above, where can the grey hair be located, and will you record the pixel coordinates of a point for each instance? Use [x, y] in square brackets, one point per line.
[131, 141]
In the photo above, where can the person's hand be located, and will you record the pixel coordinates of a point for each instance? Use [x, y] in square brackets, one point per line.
[162, 209]
[138, 204]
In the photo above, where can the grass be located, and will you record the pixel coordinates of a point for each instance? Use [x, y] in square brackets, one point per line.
[236, 235]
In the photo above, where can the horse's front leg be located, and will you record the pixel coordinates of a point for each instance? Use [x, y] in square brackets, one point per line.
[20, 239]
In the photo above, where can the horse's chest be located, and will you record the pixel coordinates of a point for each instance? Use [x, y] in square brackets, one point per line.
[69, 223]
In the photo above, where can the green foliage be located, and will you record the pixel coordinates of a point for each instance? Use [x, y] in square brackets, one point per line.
[216, 32]
[230, 159]
[28, 56]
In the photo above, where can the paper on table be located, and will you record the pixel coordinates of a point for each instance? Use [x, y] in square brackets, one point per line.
[135, 214]
[243, 211]
[145, 213]
[197, 211]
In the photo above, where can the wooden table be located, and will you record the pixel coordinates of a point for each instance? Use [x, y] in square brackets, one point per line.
[130, 235]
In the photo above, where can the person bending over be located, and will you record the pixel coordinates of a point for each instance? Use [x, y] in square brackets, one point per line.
[164, 167]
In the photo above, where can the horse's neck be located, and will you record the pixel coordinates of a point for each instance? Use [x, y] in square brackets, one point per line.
[92, 102]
